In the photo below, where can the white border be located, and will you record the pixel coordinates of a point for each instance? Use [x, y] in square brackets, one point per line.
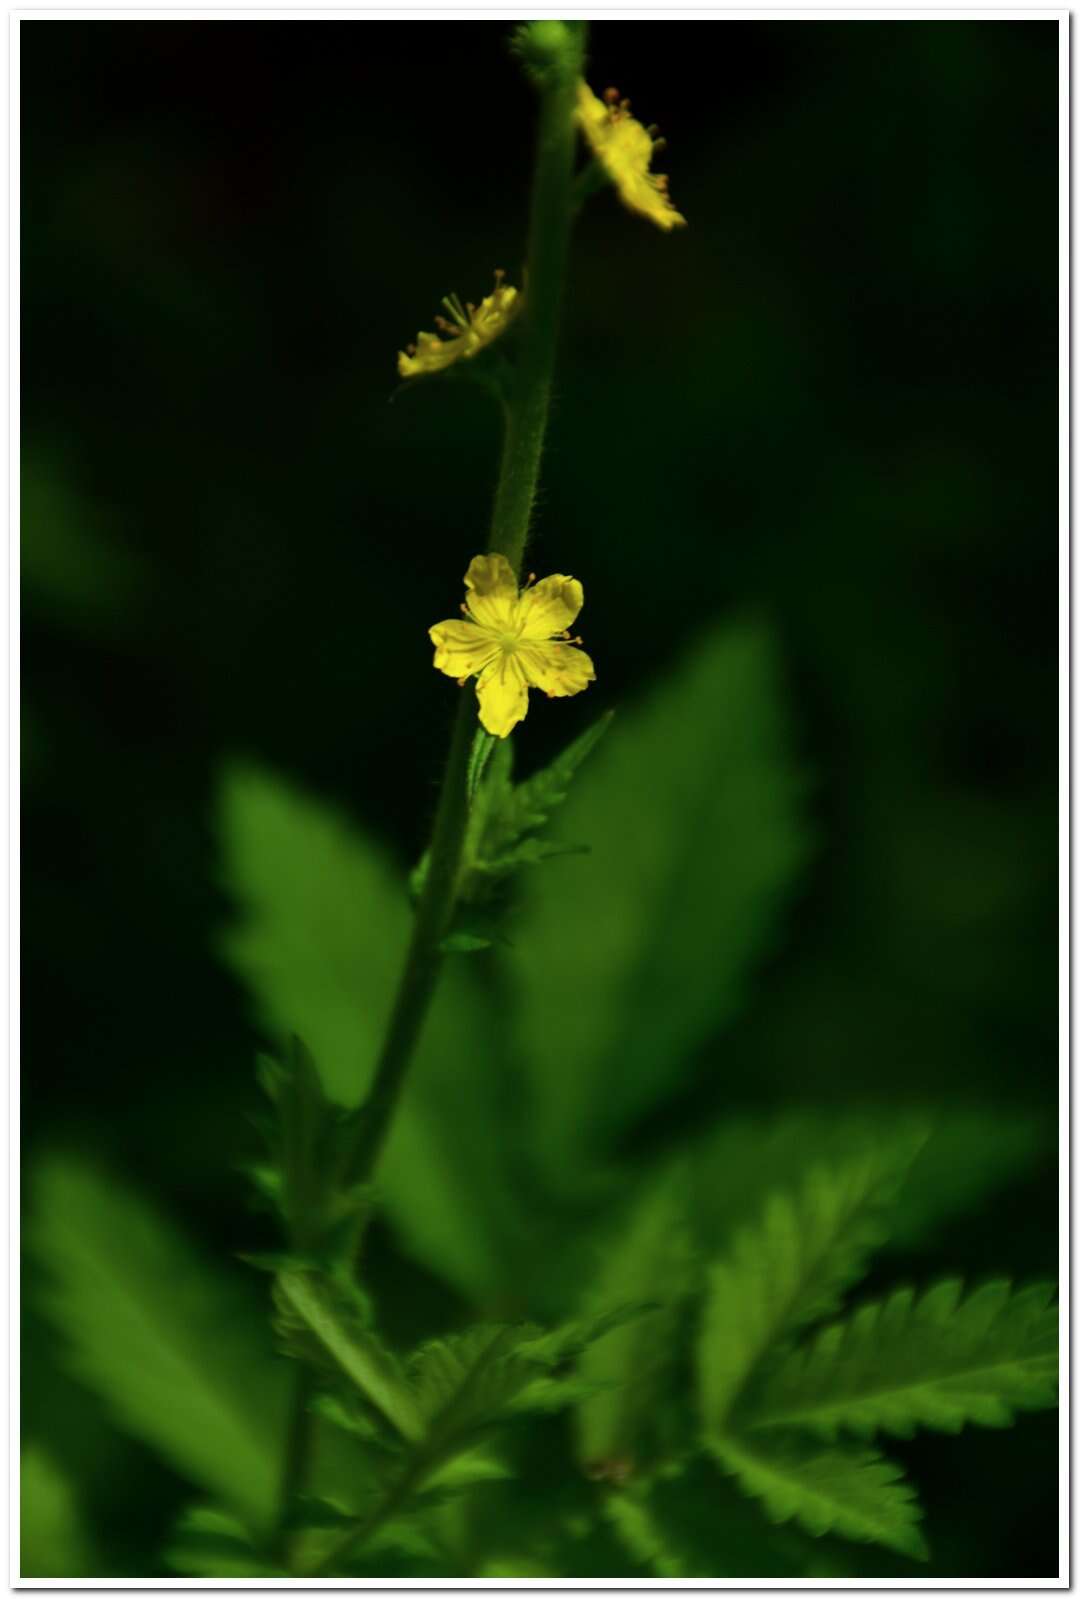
[9, 718]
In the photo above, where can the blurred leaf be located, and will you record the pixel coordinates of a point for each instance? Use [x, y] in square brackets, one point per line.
[506, 813]
[71, 563]
[650, 1258]
[53, 1541]
[208, 1541]
[321, 933]
[322, 1320]
[467, 1381]
[855, 1493]
[966, 1152]
[693, 1522]
[971, 1153]
[791, 1267]
[934, 1361]
[462, 943]
[627, 966]
[308, 1138]
[160, 1334]
[321, 928]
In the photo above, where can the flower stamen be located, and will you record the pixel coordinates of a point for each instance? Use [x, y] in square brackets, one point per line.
[624, 148]
[468, 330]
[512, 640]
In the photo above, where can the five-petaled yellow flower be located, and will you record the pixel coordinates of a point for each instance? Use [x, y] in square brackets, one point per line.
[625, 150]
[512, 641]
[470, 330]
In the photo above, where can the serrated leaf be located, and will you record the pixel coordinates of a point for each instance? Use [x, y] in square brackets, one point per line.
[320, 934]
[790, 1268]
[165, 1338]
[308, 1137]
[53, 1541]
[320, 1311]
[529, 805]
[734, 1168]
[625, 969]
[463, 1383]
[651, 1256]
[854, 1493]
[691, 1521]
[932, 1361]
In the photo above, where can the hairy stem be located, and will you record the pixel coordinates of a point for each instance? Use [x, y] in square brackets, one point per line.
[526, 418]
[528, 400]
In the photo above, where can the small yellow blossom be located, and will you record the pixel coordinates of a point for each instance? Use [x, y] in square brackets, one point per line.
[470, 329]
[625, 149]
[512, 641]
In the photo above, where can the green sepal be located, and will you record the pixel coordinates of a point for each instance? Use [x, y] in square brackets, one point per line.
[549, 50]
[505, 817]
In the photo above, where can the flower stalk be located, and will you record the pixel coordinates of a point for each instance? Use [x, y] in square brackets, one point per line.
[556, 67]
[554, 58]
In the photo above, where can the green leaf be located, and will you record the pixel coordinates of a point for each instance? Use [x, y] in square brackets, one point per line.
[932, 1361]
[209, 1542]
[53, 1540]
[972, 1152]
[503, 815]
[166, 1340]
[309, 1138]
[464, 943]
[691, 1521]
[734, 1168]
[626, 968]
[322, 926]
[854, 1493]
[465, 1382]
[790, 1268]
[632, 1365]
[527, 806]
[323, 1314]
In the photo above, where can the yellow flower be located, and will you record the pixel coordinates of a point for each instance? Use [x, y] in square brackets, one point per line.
[625, 149]
[513, 641]
[470, 329]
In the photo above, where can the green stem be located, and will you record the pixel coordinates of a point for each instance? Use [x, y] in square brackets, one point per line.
[392, 1502]
[526, 418]
[298, 1441]
[550, 225]
[423, 958]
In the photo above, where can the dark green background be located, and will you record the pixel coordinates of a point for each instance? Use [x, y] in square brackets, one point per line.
[831, 401]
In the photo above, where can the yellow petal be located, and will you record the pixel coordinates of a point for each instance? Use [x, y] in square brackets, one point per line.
[549, 606]
[472, 329]
[492, 592]
[558, 669]
[625, 150]
[503, 695]
[461, 648]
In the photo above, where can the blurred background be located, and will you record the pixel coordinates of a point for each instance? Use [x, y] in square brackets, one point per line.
[830, 402]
